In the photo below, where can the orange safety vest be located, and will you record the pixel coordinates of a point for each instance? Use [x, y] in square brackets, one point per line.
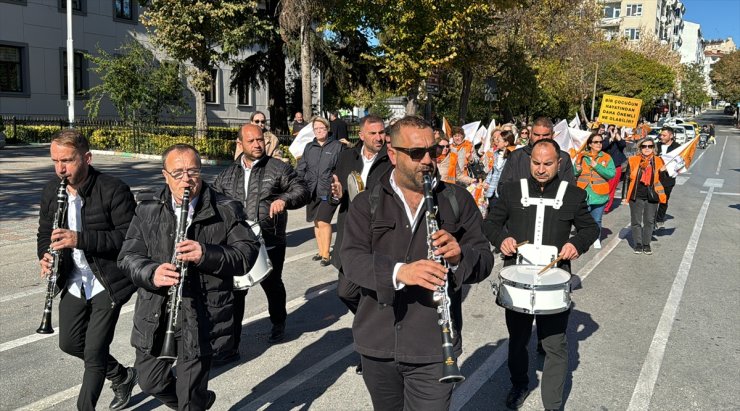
[465, 147]
[589, 176]
[634, 163]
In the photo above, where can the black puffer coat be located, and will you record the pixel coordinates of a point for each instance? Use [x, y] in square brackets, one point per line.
[107, 209]
[270, 180]
[229, 248]
[317, 165]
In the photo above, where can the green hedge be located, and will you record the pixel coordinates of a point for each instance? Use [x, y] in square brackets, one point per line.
[30, 134]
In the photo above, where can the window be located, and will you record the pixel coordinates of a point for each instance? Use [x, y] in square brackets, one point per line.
[79, 71]
[632, 34]
[124, 9]
[13, 70]
[634, 10]
[244, 94]
[212, 95]
[77, 5]
[612, 11]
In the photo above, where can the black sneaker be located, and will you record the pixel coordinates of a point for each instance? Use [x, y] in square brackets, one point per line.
[226, 358]
[122, 391]
[358, 369]
[211, 399]
[646, 249]
[638, 249]
[325, 262]
[516, 397]
[316, 257]
[277, 334]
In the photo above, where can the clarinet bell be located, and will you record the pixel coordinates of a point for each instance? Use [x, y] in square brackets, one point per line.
[45, 327]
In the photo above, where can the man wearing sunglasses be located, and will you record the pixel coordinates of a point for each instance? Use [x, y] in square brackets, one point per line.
[385, 238]
[369, 161]
[218, 245]
[517, 166]
[272, 144]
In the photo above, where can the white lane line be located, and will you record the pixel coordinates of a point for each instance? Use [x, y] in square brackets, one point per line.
[22, 294]
[720, 193]
[697, 160]
[52, 400]
[649, 374]
[719, 165]
[267, 399]
[472, 384]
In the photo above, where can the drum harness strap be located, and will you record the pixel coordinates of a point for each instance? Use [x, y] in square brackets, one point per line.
[541, 203]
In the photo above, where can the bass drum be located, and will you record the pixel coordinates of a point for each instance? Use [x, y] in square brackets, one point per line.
[262, 267]
[521, 289]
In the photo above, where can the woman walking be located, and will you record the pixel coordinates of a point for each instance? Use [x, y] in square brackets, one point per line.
[594, 168]
[316, 167]
[644, 194]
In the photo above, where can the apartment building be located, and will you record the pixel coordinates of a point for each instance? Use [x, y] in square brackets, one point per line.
[634, 19]
[33, 64]
[713, 52]
[692, 47]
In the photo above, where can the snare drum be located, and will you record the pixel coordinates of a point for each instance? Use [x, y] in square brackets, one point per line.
[520, 289]
[262, 267]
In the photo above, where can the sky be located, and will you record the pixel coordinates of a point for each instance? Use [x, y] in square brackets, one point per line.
[719, 19]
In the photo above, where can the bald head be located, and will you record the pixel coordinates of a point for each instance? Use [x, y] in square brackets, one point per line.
[252, 141]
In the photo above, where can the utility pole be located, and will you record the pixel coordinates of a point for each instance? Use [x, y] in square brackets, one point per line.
[70, 68]
[593, 99]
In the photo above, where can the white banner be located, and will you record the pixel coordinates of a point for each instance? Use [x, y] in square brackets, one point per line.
[302, 139]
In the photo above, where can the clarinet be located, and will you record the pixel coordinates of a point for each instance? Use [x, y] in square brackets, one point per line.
[169, 345]
[56, 258]
[450, 372]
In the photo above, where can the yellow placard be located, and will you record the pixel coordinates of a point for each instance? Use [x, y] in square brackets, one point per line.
[620, 111]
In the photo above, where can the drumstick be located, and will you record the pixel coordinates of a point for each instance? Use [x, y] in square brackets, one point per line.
[521, 244]
[549, 266]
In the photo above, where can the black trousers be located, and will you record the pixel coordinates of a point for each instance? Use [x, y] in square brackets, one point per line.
[186, 391]
[274, 290]
[551, 331]
[86, 329]
[395, 386]
[348, 292]
[662, 208]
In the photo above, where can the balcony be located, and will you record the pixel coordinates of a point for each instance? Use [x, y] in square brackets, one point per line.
[609, 22]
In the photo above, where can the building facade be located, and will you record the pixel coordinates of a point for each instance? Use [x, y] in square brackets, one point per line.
[634, 19]
[33, 65]
[692, 47]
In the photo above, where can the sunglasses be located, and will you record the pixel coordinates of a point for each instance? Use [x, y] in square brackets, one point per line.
[644, 146]
[418, 153]
[259, 121]
[597, 142]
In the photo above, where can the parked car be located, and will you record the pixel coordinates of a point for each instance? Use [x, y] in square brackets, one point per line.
[679, 134]
[690, 131]
[729, 110]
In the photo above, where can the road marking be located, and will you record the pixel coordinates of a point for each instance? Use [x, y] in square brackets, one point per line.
[720, 193]
[22, 294]
[714, 182]
[472, 384]
[719, 165]
[53, 399]
[267, 399]
[649, 374]
[697, 160]
[681, 180]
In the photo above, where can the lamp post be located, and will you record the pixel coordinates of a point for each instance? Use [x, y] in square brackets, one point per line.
[70, 68]
[593, 98]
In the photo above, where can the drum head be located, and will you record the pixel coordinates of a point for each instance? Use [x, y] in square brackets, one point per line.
[527, 274]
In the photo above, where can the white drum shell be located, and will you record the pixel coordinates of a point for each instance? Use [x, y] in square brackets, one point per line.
[521, 289]
[262, 267]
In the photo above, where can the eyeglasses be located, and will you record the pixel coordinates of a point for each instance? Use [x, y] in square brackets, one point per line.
[597, 142]
[259, 121]
[178, 174]
[418, 153]
[646, 146]
[525, 133]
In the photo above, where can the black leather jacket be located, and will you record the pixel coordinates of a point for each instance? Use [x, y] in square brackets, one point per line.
[269, 180]
[107, 209]
[230, 248]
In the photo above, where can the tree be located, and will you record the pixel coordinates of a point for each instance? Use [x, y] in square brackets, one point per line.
[139, 86]
[725, 77]
[693, 93]
[203, 33]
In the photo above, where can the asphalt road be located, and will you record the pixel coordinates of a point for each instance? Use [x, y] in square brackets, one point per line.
[653, 332]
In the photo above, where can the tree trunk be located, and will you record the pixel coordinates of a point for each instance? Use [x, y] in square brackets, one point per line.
[201, 117]
[583, 112]
[467, 81]
[276, 86]
[306, 71]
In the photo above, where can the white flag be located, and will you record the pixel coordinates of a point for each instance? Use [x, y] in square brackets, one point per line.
[303, 137]
[575, 123]
[480, 136]
[470, 130]
[487, 140]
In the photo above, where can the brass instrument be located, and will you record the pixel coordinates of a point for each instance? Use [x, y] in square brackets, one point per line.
[174, 303]
[450, 372]
[56, 257]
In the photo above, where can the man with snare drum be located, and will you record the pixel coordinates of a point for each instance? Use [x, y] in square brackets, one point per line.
[509, 223]
[267, 188]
